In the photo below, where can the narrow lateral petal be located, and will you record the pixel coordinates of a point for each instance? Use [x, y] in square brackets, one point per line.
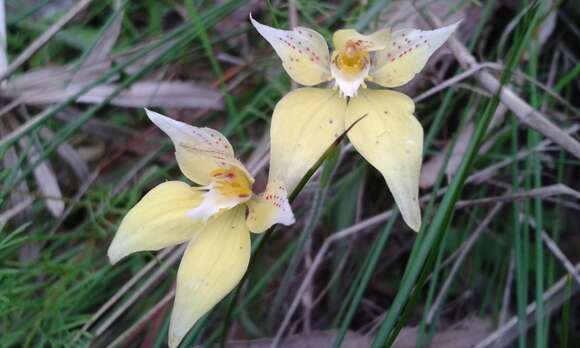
[373, 42]
[303, 51]
[304, 124]
[391, 139]
[269, 208]
[159, 220]
[406, 54]
[212, 266]
[199, 151]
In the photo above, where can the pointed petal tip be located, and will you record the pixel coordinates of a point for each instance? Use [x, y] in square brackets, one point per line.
[116, 251]
[287, 220]
[416, 227]
[177, 332]
[451, 27]
[173, 341]
[113, 260]
[114, 255]
[154, 116]
[413, 219]
[255, 23]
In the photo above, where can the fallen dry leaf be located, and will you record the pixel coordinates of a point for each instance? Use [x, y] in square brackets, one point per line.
[178, 94]
[315, 339]
[463, 334]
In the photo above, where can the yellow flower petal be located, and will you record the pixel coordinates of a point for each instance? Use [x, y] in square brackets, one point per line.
[406, 54]
[269, 208]
[212, 265]
[304, 124]
[373, 42]
[303, 51]
[159, 220]
[391, 139]
[199, 151]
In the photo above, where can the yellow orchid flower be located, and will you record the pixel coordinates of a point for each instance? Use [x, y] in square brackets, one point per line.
[212, 217]
[307, 120]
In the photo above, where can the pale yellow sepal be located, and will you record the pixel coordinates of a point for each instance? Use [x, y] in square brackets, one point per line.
[391, 139]
[269, 208]
[304, 124]
[213, 264]
[406, 54]
[369, 43]
[199, 151]
[303, 51]
[159, 220]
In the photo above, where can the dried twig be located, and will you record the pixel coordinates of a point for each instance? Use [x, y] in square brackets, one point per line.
[43, 174]
[525, 113]
[15, 210]
[560, 256]
[3, 38]
[128, 285]
[553, 299]
[69, 154]
[505, 303]
[540, 192]
[459, 261]
[137, 293]
[145, 318]
[569, 266]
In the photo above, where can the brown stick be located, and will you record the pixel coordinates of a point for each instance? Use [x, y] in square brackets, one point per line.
[524, 112]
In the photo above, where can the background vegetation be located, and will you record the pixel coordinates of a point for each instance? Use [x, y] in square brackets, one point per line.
[495, 264]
